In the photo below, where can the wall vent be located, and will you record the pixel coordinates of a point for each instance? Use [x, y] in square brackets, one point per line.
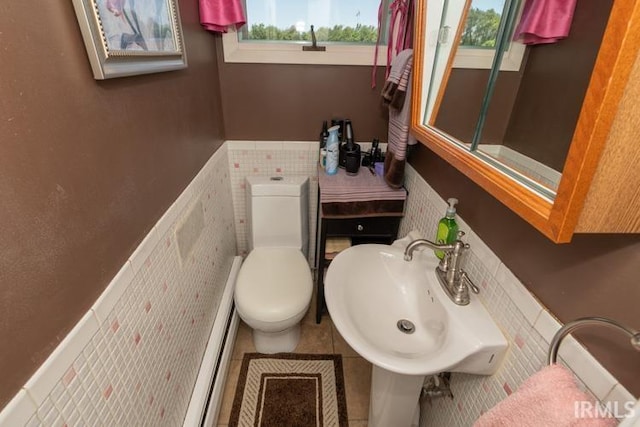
[189, 230]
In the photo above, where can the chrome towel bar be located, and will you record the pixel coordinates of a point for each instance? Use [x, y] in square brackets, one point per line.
[586, 321]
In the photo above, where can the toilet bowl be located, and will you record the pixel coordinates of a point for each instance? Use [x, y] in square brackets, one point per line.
[273, 292]
[274, 286]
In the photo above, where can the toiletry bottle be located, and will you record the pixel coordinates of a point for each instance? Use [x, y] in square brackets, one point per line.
[333, 147]
[343, 137]
[340, 124]
[447, 227]
[324, 135]
[351, 151]
[348, 137]
[375, 151]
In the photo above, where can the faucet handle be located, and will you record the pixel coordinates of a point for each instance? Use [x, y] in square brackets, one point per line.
[464, 278]
[459, 238]
[443, 265]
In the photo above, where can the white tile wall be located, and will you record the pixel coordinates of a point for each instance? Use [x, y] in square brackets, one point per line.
[269, 158]
[134, 357]
[524, 321]
[273, 158]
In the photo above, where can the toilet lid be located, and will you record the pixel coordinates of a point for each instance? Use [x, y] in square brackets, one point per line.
[273, 284]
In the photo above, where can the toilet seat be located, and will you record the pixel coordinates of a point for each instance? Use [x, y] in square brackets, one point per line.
[273, 285]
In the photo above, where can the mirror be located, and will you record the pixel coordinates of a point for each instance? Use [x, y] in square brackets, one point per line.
[513, 106]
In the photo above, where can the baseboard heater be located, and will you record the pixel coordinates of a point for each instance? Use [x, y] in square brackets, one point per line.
[206, 398]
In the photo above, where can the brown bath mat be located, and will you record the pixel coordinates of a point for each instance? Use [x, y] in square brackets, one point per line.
[290, 390]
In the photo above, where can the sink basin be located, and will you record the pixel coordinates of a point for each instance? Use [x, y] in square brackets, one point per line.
[370, 288]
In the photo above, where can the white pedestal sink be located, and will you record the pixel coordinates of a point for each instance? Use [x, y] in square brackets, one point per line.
[394, 314]
[394, 398]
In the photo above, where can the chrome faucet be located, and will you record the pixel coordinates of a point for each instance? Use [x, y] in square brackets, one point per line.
[453, 279]
[411, 247]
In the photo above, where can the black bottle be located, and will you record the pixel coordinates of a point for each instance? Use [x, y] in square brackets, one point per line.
[346, 142]
[324, 134]
[339, 122]
[348, 137]
[351, 150]
[376, 153]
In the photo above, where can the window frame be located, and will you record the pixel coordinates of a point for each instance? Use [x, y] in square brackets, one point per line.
[479, 58]
[482, 58]
[274, 52]
[292, 53]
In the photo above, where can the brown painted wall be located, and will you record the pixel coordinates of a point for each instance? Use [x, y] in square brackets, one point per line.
[594, 275]
[289, 102]
[86, 168]
[461, 106]
[550, 88]
[553, 87]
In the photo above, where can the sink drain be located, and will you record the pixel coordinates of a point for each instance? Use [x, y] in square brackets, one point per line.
[406, 326]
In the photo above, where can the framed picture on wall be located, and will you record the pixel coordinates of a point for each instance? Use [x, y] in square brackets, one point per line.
[129, 37]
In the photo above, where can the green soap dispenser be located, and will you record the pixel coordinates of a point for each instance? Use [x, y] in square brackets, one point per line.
[447, 227]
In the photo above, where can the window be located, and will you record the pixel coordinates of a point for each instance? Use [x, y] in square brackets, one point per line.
[276, 31]
[478, 40]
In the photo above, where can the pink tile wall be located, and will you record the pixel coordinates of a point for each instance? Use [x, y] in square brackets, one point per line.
[134, 357]
[527, 325]
[270, 158]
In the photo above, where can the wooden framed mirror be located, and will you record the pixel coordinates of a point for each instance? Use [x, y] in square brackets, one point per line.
[591, 108]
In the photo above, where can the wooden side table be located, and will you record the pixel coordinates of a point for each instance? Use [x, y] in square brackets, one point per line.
[370, 229]
[363, 218]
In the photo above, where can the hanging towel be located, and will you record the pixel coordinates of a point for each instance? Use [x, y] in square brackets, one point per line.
[217, 15]
[398, 87]
[401, 16]
[547, 399]
[545, 21]
[395, 88]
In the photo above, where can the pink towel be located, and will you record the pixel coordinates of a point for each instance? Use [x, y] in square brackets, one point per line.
[546, 399]
[217, 15]
[545, 21]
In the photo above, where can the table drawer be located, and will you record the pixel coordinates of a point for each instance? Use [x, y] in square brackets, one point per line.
[366, 226]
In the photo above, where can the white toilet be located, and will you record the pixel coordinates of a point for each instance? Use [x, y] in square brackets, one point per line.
[274, 285]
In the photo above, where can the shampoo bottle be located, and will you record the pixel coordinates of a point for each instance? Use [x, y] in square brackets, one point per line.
[333, 148]
[447, 227]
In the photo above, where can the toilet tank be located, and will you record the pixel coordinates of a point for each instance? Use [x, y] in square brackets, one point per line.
[278, 212]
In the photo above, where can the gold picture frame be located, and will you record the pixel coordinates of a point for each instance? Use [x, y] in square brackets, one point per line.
[130, 37]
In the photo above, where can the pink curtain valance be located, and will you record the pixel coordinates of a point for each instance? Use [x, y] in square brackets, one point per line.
[217, 15]
[545, 21]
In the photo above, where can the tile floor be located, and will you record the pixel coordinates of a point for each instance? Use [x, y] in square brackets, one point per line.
[322, 338]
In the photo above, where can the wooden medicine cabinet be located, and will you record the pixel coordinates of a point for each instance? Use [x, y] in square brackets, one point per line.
[553, 130]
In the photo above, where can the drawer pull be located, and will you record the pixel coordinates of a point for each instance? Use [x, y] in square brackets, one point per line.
[360, 227]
